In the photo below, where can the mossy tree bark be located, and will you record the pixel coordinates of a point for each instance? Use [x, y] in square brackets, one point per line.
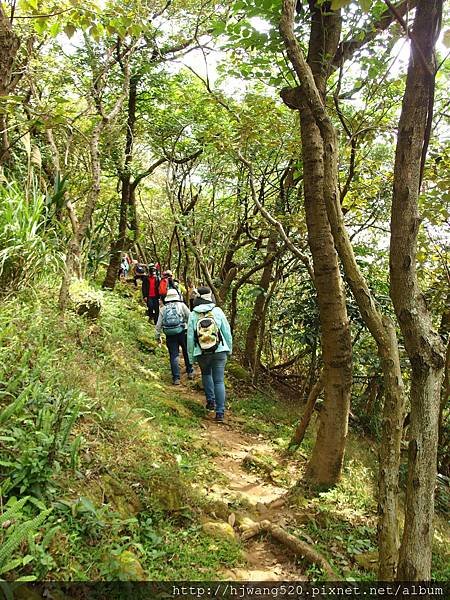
[325, 465]
[127, 190]
[423, 345]
[9, 45]
[312, 105]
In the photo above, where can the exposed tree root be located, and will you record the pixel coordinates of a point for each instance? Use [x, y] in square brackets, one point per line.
[252, 528]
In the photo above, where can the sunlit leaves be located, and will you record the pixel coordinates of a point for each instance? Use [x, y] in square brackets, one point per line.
[252, 39]
[29, 5]
[87, 16]
[337, 4]
[365, 5]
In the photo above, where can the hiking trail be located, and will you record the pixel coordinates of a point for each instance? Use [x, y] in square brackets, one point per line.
[263, 499]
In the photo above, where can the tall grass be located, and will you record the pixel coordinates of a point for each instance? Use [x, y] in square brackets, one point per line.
[28, 240]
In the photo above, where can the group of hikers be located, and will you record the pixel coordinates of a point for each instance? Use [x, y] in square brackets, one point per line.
[201, 329]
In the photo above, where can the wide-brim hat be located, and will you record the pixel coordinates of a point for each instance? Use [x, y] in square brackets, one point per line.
[172, 296]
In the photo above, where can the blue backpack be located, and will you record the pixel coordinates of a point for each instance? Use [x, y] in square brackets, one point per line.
[172, 321]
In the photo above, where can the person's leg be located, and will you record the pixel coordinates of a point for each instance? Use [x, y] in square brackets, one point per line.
[208, 384]
[219, 360]
[156, 308]
[183, 343]
[149, 309]
[153, 309]
[173, 348]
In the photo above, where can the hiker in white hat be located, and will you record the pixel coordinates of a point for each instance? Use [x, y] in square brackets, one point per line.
[173, 319]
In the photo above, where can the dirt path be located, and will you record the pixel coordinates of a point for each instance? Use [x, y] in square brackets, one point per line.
[262, 498]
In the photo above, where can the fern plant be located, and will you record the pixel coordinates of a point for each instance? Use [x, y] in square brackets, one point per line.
[14, 533]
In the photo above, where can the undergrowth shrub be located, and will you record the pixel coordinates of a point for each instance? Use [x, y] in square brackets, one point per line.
[37, 413]
[28, 240]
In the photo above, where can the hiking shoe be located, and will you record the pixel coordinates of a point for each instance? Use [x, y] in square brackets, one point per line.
[210, 406]
[219, 418]
[176, 382]
[191, 375]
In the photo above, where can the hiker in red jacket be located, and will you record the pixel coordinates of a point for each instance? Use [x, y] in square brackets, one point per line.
[150, 291]
[168, 283]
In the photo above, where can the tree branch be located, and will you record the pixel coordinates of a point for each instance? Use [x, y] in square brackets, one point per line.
[348, 48]
[410, 35]
[265, 213]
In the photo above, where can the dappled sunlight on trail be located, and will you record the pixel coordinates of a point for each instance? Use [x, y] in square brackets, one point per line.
[245, 492]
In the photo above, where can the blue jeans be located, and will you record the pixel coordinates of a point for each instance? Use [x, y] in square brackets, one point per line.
[213, 370]
[173, 343]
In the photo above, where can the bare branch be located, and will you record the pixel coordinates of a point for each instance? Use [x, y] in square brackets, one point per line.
[160, 161]
[265, 213]
[147, 172]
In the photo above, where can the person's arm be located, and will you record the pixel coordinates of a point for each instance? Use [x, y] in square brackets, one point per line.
[159, 324]
[226, 330]
[186, 312]
[190, 338]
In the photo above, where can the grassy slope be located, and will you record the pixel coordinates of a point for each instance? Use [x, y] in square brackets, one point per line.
[120, 485]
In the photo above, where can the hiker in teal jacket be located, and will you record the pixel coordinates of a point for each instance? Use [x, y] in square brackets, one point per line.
[212, 363]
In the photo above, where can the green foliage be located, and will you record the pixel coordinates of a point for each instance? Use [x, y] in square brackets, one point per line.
[16, 529]
[36, 413]
[61, 371]
[108, 373]
[26, 248]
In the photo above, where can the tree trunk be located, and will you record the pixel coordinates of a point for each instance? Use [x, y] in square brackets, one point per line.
[423, 345]
[383, 331]
[134, 218]
[262, 327]
[118, 245]
[73, 257]
[71, 266]
[327, 458]
[310, 101]
[127, 191]
[326, 462]
[9, 45]
[80, 228]
[251, 340]
[227, 283]
[302, 426]
[371, 393]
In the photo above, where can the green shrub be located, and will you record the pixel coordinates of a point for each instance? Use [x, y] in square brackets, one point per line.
[37, 413]
[27, 241]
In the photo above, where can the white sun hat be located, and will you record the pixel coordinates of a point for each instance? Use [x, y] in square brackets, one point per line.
[172, 296]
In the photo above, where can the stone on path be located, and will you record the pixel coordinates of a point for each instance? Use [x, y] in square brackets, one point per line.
[219, 530]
